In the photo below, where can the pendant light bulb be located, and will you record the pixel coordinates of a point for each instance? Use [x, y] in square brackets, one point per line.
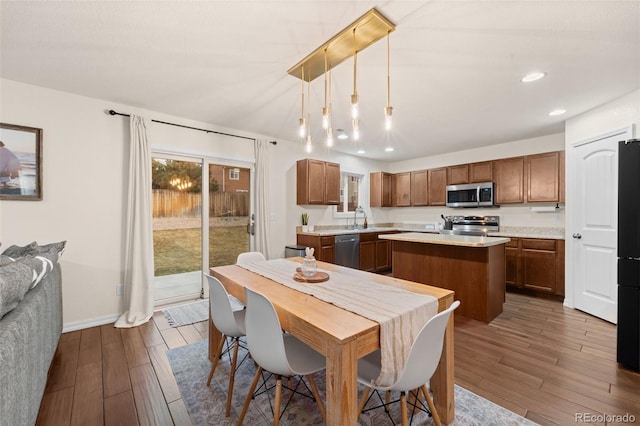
[356, 129]
[325, 118]
[308, 146]
[388, 118]
[329, 137]
[303, 128]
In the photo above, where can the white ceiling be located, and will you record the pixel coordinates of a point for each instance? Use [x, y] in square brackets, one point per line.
[455, 65]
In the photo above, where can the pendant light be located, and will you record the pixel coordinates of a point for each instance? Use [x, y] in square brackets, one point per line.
[308, 146]
[355, 113]
[330, 129]
[389, 109]
[325, 109]
[302, 131]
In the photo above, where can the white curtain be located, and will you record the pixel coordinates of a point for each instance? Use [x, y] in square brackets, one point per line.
[138, 265]
[263, 212]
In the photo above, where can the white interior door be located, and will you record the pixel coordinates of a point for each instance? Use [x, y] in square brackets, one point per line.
[593, 225]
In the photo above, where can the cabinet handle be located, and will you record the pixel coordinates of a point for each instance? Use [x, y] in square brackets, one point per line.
[577, 236]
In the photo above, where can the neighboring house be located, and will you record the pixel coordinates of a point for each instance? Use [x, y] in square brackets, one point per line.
[230, 179]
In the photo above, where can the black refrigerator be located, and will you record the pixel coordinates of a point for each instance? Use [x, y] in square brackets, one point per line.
[629, 254]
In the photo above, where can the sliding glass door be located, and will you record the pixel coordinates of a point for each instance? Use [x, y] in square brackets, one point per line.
[229, 213]
[177, 227]
[201, 218]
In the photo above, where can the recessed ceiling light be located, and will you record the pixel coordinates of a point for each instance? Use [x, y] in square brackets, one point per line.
[534, 76]
[361, 151]
[342, 134]
[388, 149]
[558, 111]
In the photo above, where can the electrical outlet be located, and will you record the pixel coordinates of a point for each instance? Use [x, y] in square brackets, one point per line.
[119, 289]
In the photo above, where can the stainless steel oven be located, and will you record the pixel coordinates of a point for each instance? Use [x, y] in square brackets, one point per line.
[471, 195]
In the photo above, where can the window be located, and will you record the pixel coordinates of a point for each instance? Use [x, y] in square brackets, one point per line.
[234, 174]
[349, 192]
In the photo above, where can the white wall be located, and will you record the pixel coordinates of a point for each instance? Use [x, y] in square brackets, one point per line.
[85, 155]
[615, 115]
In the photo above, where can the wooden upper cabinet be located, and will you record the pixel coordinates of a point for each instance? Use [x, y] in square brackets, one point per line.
[508, 175]
[481, 172]
[332, 183]
[317, 182]
[380, 189]
[420, 188]
[438, 187]
[542, 176]
[401, 189]
[458, 174]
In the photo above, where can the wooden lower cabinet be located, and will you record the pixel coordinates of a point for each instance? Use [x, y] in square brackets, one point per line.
[367, 255]
[535, 264]
[375, 254]
[323, 246]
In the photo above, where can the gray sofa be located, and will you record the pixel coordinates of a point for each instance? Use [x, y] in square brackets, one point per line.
[29, 337]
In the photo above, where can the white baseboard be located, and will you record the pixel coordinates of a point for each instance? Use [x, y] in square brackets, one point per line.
[79, 325]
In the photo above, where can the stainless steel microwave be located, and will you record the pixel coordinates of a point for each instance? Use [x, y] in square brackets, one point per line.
[471, 195]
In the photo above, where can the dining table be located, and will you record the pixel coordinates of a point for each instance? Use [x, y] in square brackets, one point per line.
[340, 335]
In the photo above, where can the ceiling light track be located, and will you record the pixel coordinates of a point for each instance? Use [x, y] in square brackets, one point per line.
[370, 27]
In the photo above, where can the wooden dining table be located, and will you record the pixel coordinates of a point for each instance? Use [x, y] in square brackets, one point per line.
[342, 336]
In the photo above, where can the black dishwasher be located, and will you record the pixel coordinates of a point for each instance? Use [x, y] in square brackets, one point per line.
[347, 250]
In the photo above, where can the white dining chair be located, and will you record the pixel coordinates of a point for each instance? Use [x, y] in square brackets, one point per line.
[231, 323]
[422, 362]
[277, 353]
[249, 257]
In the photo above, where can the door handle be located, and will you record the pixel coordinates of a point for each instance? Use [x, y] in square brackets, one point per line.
[577, 236]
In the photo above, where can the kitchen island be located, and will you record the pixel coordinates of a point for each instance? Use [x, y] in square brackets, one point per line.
[473, 267]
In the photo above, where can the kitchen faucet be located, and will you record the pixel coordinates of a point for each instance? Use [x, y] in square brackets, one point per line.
[359, 209]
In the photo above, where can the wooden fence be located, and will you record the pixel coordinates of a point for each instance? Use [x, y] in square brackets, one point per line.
[168, 203]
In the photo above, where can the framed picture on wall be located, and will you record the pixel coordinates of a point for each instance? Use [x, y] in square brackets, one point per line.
[20, 162]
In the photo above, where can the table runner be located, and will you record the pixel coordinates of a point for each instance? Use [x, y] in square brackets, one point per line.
[400, 313]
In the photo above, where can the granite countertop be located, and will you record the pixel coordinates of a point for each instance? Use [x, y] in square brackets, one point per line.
[450, 240]
[505, 231]
[529, 232]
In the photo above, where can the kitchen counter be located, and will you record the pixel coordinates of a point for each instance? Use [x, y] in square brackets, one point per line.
[450, 240]
[505, 231]
[473, 267]
[529, 232]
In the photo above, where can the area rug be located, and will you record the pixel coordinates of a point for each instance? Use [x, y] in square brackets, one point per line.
[206, 405]
[188, 313]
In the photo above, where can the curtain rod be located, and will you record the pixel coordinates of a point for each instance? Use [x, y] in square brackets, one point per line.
[112, 112]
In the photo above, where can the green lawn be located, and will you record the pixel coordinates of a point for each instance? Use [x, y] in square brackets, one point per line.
[178, 250]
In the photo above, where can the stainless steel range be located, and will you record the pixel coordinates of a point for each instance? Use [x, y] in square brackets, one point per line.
[473, 225]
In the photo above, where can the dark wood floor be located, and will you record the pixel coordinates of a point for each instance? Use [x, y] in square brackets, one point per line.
[538, 359]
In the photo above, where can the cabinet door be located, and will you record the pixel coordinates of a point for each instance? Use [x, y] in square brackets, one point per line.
[401, 189]
[368, 256]
[438, 187]
[539, 265]
[481, 172]
[327, 249]
[383, 255]
[310, 181]
[332, 183]
[380, 189]
[512, 262]
[542, 172]
[509, 178]
[420, 188]
[458, 174]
